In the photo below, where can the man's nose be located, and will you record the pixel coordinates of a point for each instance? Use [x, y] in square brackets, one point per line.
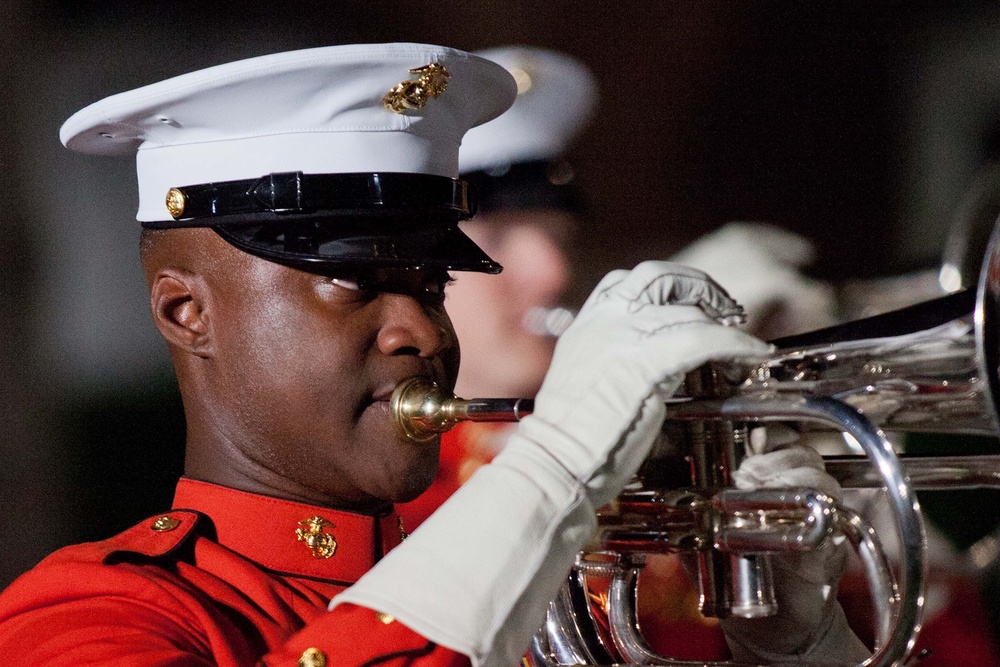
[410, 327]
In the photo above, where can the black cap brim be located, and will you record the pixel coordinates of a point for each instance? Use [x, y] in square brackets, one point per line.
[323, 222]
[329, 244]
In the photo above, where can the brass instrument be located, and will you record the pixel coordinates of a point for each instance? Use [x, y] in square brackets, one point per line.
[933, 367]
[421, 409]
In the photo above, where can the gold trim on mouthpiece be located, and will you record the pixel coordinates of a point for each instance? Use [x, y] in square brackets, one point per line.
[421, 409]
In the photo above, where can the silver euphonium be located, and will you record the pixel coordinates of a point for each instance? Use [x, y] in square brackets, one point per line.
[933, 367]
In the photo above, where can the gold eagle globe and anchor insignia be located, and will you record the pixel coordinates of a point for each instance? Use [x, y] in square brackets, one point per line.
[432, 80]
[321, 544]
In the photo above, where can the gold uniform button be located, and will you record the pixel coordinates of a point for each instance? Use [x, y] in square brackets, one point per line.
[176, 202]
[165, 524]
[312, 657]
[385, 618]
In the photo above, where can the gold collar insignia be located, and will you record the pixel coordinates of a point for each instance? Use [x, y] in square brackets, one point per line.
[321, 544]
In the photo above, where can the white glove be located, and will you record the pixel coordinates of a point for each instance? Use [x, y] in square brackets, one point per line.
[478, 575]
[759, 264]
[810, 626]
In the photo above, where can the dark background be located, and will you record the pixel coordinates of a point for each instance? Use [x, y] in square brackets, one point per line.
[858, 125]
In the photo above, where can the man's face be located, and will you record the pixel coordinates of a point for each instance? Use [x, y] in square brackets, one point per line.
[503, 356]
[302, 370]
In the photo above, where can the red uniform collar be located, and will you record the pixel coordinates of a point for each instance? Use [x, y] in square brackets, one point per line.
[289, 537]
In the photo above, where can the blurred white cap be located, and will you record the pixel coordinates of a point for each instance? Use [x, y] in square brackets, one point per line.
[556, 96]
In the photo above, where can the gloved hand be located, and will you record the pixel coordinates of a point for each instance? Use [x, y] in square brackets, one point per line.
[602, 401]
[810, 626]
[478, 575]
[759, 264]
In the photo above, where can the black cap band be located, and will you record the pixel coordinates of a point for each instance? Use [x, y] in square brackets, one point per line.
[294, 194]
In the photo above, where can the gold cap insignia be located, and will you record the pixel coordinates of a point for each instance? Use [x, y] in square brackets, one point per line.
[175, 203]
[321, 544]
[432, 80]
[523, 79]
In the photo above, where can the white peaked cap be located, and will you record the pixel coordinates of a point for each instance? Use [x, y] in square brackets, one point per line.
[315, 111]
[556, 96]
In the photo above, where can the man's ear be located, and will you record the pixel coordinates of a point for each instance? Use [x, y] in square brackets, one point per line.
[178, 299]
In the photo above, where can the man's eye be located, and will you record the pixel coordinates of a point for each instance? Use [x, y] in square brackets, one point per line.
[438, 284]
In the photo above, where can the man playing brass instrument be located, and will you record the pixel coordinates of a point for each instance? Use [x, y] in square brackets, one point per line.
[299, 226]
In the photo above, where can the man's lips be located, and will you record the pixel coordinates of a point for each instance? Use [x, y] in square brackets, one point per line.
[379, 407]
[384, 393]
[376, 401]
[380, 398]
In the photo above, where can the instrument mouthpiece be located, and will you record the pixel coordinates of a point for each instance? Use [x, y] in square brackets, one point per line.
[421, 409]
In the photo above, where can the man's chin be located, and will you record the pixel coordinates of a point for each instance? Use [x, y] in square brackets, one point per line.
[413, 491]
[408, 496]
[414, 484]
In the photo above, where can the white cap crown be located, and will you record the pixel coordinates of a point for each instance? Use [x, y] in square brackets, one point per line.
[313, 111]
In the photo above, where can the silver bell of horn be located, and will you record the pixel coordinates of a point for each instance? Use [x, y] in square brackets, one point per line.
[933, 367]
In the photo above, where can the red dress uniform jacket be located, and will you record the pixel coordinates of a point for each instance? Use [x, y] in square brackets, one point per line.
[228, 578]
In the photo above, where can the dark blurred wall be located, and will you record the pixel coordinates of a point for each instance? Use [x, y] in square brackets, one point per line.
[34, 482]
[799, 114]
